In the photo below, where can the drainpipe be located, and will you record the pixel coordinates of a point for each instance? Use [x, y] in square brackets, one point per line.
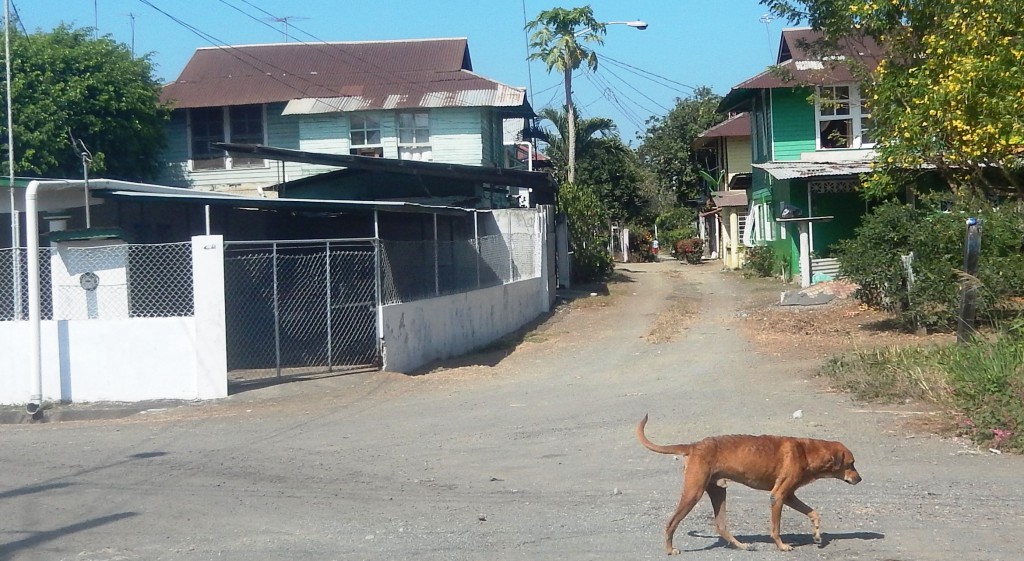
[34, 313]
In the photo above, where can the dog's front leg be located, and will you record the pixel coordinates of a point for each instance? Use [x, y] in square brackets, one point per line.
[801, 507]
[777, 500]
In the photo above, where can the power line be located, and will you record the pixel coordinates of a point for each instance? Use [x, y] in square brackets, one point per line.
[646, 73]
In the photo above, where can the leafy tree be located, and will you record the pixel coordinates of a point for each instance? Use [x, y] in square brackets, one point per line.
[667, 149]
[948, 94]
[588, 232]
[64, 83]
[556, 42]
[605, 164]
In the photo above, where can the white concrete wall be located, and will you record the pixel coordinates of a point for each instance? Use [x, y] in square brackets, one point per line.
[128, 359]
[417, 333]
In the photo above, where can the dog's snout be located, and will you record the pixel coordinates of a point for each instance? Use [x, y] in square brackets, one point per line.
[852, 478]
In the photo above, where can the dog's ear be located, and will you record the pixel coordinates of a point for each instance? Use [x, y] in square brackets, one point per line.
[837, 461]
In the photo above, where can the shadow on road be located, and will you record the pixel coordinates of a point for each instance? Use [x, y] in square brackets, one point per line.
[796, 540]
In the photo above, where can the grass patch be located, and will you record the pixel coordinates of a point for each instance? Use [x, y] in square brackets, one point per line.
[983, 381]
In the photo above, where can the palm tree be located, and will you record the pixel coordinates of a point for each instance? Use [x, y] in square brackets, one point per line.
[578, 136]
[556, 43]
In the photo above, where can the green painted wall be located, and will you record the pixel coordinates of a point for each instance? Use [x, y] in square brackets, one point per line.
[792, 123]
[848, 210]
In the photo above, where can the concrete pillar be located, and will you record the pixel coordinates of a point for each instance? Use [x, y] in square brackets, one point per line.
[211, 330]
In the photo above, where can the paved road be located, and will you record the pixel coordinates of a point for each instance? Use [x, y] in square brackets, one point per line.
[528, 457]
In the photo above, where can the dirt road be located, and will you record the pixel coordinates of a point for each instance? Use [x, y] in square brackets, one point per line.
[524, 453]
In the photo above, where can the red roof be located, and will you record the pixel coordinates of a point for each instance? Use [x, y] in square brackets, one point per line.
[796, 65]
[736, 125]
[382, 74]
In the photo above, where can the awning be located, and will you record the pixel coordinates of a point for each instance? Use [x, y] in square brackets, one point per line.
[313, 205]
[729, 198]
[798, 170]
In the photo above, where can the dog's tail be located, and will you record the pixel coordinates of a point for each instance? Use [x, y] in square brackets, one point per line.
[677, 449]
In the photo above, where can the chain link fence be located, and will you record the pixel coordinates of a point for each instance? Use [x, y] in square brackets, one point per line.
[296, 307]
[113, 281]
[425, 269]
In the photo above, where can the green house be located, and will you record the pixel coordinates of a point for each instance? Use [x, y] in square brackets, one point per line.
[810, 142]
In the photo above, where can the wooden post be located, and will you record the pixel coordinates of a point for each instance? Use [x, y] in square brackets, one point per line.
[969, 288]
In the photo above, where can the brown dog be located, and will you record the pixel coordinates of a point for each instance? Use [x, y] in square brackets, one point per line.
[779, 464]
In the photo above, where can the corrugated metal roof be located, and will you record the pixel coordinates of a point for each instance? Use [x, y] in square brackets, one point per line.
[357, 76]
[797, 170]
[729, 198]
[737, 125]
[797, 66]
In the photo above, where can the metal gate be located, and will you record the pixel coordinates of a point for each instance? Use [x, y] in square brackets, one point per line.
[300, 307]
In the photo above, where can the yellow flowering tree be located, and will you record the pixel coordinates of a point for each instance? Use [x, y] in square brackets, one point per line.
[949, 94]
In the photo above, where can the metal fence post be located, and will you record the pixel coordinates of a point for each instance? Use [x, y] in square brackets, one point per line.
[277, 312]
[437, 261]
[330, 335]
[476, 242]
[969, 289]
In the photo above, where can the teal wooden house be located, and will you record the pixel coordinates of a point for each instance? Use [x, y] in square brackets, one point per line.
[810, 142]
[412, 100]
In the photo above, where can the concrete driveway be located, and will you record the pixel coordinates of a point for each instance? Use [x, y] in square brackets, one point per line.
[513, 454]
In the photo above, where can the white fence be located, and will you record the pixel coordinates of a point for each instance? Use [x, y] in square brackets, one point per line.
[101, 344]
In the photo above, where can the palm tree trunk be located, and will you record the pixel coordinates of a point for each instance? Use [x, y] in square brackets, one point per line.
[570, 113]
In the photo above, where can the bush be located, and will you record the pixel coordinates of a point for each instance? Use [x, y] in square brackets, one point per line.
[760, 261]
[872, 259]
[641, 245]
[689, 249]
[588, 235]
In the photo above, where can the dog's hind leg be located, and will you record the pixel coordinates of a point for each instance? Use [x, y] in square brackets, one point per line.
[801, 507]
[717, 495]
[693, 490]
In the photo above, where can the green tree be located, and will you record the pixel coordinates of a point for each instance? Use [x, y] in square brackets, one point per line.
[946, 96]
[588, 232]
[667, 145]
[556, 42]
[65, 82]
[604, 163]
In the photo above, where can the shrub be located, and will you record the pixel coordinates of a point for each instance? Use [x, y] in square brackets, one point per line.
[760, 261]
[689, 249]
[641, 245]
[588, 235]
[872, 259]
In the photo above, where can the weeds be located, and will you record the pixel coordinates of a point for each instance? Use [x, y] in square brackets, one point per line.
[982, 380]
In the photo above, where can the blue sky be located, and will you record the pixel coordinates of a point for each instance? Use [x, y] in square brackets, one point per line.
[688, 43]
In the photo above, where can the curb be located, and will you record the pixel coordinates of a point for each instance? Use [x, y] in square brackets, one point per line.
[75, 412]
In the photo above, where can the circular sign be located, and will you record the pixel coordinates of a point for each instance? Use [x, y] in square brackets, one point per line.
[89, 281]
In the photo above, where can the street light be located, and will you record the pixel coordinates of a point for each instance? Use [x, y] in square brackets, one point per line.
[570, 111]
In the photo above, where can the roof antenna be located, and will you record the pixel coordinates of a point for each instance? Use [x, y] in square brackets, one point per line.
[766, 19]
[86, 156]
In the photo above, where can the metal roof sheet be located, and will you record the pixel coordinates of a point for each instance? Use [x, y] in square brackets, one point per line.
[797, 170]
[354, 76]
[729, 198]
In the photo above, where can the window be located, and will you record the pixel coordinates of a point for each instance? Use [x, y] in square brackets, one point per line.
[843, 119]
[364, 136]
[414, 136]
[242, 124]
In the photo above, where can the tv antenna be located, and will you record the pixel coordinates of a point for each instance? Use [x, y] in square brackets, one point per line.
[285, 20]
[767, 19]
[131, 22]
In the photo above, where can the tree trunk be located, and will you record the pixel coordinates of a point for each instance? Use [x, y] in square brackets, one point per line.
[570, 115]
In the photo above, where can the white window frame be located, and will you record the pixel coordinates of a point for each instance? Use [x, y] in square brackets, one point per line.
[416, 145]
[365, 148]
[851, 108]
[229, 163]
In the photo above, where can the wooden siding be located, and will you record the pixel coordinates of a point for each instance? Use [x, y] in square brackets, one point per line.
[738, 156]
[457, 136]
[792, 124]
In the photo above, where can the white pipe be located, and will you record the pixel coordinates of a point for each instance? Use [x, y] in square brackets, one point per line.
[35, 359]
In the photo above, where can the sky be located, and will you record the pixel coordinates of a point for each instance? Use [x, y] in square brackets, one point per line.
[688, 43]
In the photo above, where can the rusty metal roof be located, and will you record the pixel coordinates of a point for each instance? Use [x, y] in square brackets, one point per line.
[736, 125]
[349, 76]
[729, 198]
[797, 66]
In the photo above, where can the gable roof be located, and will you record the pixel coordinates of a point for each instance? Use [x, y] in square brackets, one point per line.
[798, 65]
[737, 125]
[342, 76]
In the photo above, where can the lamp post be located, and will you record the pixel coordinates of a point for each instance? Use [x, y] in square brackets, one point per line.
[570, 110]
